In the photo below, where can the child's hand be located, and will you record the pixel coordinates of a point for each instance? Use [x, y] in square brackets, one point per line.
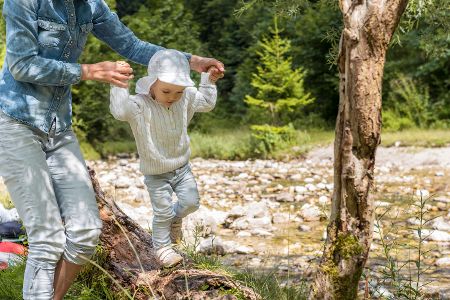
[214, 74]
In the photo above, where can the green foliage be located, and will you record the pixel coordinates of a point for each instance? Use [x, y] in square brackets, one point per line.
[221, 144]
[421, 52]
[404, 278]
[267, 139]
[11, 281]
[408, 105]
[393, 122]
[169, 25]
[279, 88]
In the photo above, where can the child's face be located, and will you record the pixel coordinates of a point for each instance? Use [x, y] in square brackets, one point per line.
[166, 93]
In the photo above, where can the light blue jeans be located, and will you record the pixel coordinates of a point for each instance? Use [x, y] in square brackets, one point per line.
[47, 179]
[161, 187]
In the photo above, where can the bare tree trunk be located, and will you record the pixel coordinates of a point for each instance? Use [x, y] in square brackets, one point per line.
[136, 268]
[368, 29]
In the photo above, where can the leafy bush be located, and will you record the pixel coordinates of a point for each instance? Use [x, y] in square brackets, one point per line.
[393, 122]
[409, 105]
[265, 139]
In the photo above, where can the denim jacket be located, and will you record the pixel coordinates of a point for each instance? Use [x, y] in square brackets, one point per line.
[44, 39]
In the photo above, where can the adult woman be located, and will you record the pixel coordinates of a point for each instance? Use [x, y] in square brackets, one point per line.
[40, 158]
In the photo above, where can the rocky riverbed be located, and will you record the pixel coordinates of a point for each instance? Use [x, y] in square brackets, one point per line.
[271, 216]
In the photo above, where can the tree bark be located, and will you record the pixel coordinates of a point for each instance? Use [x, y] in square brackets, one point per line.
[136, 267]
[368, 28]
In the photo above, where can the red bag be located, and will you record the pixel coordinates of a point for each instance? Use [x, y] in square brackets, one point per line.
[10, 253]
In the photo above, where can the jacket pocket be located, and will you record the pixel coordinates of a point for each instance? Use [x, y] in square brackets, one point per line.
[51, 34]
[85, 29]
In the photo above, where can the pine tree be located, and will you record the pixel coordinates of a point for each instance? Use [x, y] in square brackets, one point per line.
[279, 87]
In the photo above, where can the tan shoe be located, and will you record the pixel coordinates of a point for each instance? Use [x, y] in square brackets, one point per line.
[176, 234]
[168, 256]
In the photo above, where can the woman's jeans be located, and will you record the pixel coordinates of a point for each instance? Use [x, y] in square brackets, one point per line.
[161, 187]
[47, 179]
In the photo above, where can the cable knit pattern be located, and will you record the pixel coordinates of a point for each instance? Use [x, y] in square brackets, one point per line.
[161, 133]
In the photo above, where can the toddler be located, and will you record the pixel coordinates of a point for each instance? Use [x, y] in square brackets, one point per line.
[159, 115]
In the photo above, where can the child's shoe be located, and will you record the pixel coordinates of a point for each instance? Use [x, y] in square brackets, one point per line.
[176, 234]
[168, 256]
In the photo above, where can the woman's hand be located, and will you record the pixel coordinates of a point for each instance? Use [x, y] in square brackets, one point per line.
[117, 73]
[204, 64]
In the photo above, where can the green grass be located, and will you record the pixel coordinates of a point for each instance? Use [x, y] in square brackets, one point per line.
[417, 137]
[234, 144]
[265, 284]
[11, 281]
[93, 284]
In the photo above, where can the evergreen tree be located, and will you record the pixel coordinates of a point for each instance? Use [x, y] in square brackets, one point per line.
[167, 24]
[279, 86]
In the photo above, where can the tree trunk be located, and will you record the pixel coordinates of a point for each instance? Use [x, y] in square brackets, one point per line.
[368, 29]
[136, 268]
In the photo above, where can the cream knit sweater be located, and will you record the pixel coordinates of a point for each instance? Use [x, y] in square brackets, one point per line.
[161, 133]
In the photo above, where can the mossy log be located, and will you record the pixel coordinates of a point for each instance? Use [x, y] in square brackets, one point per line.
[137, 269]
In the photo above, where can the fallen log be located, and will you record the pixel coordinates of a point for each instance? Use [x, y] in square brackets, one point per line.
[132, 263]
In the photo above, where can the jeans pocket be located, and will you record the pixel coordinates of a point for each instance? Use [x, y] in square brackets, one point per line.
[38, 282]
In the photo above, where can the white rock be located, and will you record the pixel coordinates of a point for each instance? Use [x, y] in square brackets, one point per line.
[261, 232]
[443, 262]
[122, 183]
[321, 186]
[381, 204]
[439, 174]
[301, 189]
[237, 211]
[310, 212]
[244, 250]
[285, 197]
[296, 177]
[261, 223]
[211, 245]
[441, 224]
[280, 218]
[434, 235]
[204, 220]
[233, 247]
[244, 234]
[257, 209]
[422, 193]
[311, 187]
[243, 176]
[309, 180]
[324, 200]
[304, 228]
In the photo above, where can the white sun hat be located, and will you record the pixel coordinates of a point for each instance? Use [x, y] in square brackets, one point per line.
[170, 66]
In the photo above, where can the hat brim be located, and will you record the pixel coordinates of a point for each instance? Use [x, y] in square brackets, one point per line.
[176, 79]
[143, 84]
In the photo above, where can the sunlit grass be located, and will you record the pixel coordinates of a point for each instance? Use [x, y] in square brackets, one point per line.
[234, 143]
[417, 137]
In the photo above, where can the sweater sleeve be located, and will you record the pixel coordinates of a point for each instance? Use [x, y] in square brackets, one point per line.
[123, 106]
[204, 98]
